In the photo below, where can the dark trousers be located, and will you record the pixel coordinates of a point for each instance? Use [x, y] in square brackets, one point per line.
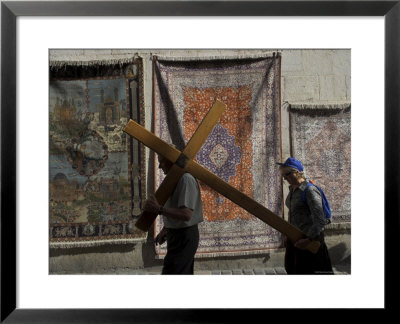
[299, 261]
[182, 245]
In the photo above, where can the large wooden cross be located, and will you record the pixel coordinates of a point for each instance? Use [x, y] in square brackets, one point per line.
[183, 162]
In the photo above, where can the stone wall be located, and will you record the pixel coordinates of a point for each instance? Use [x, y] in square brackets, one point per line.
[308, 77]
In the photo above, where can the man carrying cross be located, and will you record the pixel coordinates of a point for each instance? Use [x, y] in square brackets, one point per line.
[181, 214]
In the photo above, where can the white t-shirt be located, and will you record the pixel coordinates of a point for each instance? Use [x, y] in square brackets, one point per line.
[187, 194]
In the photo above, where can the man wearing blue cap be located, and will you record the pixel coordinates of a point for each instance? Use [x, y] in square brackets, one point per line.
[309, 218]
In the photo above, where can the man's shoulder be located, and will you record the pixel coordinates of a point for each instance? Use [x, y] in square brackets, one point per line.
[313, 190]
[187, 177]
[187, 180]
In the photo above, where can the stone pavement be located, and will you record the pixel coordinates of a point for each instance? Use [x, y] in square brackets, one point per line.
[257, 271]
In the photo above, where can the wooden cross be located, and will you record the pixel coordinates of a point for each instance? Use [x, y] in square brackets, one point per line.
[183, 162]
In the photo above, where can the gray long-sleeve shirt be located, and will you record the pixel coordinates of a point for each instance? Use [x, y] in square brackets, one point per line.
[309, 219]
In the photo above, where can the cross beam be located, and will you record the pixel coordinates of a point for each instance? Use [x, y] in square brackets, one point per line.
[183, 162]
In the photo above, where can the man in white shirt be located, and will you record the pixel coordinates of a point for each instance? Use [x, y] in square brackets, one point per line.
[181, 214]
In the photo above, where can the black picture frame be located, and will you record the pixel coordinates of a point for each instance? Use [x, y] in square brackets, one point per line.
[10, 10]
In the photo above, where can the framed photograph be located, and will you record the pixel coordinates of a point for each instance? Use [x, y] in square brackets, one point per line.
[375, 156]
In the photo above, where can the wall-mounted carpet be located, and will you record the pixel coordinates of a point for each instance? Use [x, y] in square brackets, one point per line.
[242, 149]
[96, 176]
[321, 139]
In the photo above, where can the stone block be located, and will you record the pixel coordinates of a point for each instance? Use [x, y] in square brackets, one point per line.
[226, 272]
[123, 51]
[280, 271]
[248, 272]
[300, 89]
[348, 88]
[326, 62]
[333, 88]
[341, 62]
[318, 62]
[216, 272]
[259, 271]
[66, 52]
[96, 52]
[270, 271]
[202, 272]
[237, 272]
[292, 62]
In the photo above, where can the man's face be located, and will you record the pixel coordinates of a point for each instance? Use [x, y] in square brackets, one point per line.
[288, 175]
[163, 164]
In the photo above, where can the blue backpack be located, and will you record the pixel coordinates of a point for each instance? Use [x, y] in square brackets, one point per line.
[325, 202]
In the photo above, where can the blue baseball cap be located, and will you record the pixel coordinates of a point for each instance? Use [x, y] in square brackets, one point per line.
[293, 163]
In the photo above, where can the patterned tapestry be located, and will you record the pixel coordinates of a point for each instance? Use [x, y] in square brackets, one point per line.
[96, 179]
[242, 149]
[321, 139]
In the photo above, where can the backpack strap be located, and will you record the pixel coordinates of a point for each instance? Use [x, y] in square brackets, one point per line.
[304, 193]
[325, 204]
[304, 198]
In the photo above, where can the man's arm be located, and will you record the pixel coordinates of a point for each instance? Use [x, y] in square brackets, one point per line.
[182, 213]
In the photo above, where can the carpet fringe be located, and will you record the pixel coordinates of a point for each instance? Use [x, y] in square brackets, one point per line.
[86, 244]
[320, 105]
[217, 57]
[204, 255]
[90, 60]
